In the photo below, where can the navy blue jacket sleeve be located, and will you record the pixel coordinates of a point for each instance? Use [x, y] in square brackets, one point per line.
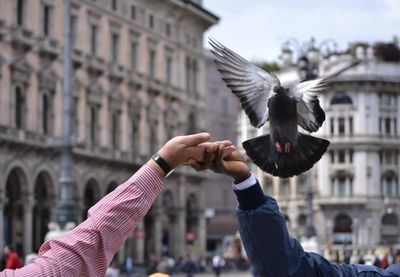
[270, 248]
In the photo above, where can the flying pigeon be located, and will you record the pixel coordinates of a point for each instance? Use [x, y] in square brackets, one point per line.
[284, 152]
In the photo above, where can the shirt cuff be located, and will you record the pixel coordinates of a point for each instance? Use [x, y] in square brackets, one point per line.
[251, 181]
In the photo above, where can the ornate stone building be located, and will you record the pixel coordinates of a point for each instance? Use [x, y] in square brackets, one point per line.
[138, 80]
[356, 183]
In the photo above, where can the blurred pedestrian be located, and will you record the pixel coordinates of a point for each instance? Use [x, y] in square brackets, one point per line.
[12, 259]
[129, 266]
[189, 266]
[218, 263]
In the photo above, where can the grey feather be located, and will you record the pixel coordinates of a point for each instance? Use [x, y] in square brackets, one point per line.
[251, 84]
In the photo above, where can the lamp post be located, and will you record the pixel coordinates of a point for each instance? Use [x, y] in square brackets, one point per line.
[307, 63]
[66, 207]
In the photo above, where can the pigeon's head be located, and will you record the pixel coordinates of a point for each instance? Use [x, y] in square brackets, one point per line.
[278, 89]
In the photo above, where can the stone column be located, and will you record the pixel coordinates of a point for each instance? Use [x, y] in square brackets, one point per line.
[202, 232]
[157, 232]
[2, 204]
[181, 218]
[139, 243]
[28, 208]
[275, 190]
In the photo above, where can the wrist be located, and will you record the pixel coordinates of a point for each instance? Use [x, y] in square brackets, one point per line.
[157, 169]
[242, 176]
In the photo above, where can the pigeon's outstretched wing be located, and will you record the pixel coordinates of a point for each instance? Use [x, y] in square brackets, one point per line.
[310, 115]
[251, 84]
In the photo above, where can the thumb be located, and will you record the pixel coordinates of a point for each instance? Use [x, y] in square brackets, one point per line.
[195, 139]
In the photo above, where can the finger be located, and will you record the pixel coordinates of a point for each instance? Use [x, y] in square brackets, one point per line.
[207, 157]
[218, 158]
[195, 165]
[195, 139]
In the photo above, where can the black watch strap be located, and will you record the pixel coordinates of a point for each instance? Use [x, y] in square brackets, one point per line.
[162, 163]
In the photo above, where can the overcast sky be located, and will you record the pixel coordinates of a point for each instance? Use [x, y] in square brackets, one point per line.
[256, 29]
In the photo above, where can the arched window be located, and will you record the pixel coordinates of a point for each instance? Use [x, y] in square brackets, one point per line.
[90, 196]
[389, 184]
[301, 220]
[341, 97]
[342, 230]
[390, 219]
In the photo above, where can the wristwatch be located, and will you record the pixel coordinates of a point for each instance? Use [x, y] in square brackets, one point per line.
[163, 164]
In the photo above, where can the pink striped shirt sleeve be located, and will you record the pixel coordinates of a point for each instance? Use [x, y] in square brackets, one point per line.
[88, 249]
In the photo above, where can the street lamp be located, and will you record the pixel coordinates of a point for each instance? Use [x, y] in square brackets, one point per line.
[308, 57]
[65, 212]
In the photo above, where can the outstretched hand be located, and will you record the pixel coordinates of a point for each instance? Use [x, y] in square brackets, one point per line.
[226, 160]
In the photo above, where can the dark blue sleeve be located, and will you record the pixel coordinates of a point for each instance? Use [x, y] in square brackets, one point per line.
[271, 250]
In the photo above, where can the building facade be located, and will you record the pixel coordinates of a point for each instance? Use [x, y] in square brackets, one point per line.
[355, 184]
[138, 80]
[222, 110]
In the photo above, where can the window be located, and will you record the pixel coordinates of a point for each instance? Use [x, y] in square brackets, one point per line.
[285, 188]
[152, 63]
[114, 5]
[168, 29]
[332, 154]
[341, 98]
[332, 123]
[133, 12]
[350, 125]
[151, 21]
[115, 129]
[395, 125]
[45, 113]
[390, 186]
[194, 76]
[351, 155]
[93, 124]
[168, 73]
[134, 56]
[341, 126]
[47, 20]
[387, 126]
[341, 154]
[135, 135]
[93, 39]
[188, 73]
[74, 21]
[341, 186]
[114, 48]
[153, 138]
[19, 108]
[20, 12]
[332, 187]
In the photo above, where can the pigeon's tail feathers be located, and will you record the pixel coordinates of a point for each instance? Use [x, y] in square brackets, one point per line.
[308, 151]
[262, 152]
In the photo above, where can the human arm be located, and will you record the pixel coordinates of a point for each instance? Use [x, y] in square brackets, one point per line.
[263, 229]
[88, 249]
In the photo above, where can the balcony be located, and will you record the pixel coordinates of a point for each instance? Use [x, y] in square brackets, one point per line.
[20, 37]
[154, 85]
[135, 78]
[172, 92]
[95, 65]
[77, 58]
[48, 47]
[116, 72]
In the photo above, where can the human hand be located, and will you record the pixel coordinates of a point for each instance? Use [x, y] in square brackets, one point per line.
[227, 160]
[178, 150]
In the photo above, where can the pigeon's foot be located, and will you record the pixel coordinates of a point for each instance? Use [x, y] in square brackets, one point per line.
[278, 147]
[287, 147]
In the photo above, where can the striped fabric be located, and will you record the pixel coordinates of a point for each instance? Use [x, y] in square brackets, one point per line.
[88, 249]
